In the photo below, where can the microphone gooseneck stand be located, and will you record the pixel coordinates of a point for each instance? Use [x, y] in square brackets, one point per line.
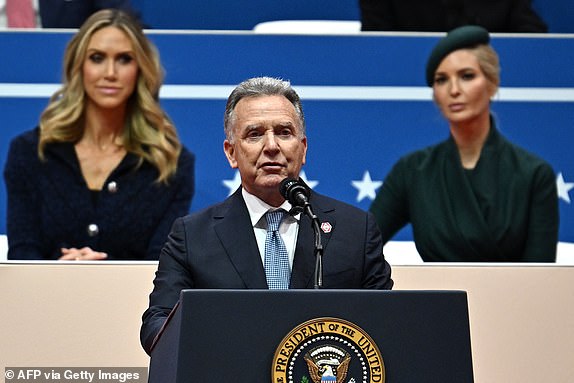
[297, 194]
[318, 246]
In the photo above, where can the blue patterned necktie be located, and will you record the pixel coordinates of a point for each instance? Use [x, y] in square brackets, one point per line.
[276, 258]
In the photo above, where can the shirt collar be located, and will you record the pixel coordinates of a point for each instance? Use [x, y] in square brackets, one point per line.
[257, 208]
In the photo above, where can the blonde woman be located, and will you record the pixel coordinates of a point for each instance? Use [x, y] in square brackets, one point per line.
[476, 196]
[104, 175]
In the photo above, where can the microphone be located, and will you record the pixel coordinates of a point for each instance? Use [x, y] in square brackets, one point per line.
[297, 193]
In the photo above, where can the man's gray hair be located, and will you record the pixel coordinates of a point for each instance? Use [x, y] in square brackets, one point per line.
[261, 86]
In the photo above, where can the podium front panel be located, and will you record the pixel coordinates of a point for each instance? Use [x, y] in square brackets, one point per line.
[233, 335]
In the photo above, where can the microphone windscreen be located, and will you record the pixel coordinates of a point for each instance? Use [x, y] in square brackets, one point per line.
[294, 191]
[286, 186]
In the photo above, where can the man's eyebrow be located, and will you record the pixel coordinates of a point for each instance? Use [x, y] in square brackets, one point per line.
[252, 126]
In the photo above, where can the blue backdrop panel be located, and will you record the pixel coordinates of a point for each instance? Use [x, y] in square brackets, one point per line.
[379, 110]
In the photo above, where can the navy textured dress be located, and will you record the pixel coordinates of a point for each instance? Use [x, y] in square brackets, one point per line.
[50, 205]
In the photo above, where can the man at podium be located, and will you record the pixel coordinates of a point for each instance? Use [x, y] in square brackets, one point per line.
[265, 235]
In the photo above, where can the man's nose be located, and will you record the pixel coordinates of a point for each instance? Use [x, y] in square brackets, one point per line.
[271, 141]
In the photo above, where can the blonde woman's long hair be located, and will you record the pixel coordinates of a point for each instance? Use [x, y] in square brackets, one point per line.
[148, 132]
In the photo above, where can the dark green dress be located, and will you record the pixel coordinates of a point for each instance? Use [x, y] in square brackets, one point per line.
[505, 209]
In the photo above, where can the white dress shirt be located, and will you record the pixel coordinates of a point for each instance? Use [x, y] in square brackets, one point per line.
[288, 229]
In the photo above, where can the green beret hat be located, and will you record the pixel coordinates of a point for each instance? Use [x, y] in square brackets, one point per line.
[462, 37]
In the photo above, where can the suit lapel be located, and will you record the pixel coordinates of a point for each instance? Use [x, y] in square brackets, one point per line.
[303, 272]
[234, 229]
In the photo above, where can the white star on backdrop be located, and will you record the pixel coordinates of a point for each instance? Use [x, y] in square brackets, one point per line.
[367, 187]
[563, 187]
[311, 184]
[233, 184]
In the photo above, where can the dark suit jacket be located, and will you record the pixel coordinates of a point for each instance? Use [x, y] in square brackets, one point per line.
[444, 15]
[73, 13]
[216, 249]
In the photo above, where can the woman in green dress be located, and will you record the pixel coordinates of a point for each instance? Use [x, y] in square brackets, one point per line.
[474, 197]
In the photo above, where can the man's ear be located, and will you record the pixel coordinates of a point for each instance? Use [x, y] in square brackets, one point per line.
[229, 150]
[304, 142]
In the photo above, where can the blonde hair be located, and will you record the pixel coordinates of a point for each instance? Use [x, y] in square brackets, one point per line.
[489, 63]
[148, 131]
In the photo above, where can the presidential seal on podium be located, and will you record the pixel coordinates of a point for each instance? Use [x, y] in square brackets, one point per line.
[325, 350]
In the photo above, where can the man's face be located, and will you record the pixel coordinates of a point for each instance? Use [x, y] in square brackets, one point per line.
[268, 145]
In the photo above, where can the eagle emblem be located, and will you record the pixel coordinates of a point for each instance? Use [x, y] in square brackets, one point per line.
[327, 350]
[328, 364]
